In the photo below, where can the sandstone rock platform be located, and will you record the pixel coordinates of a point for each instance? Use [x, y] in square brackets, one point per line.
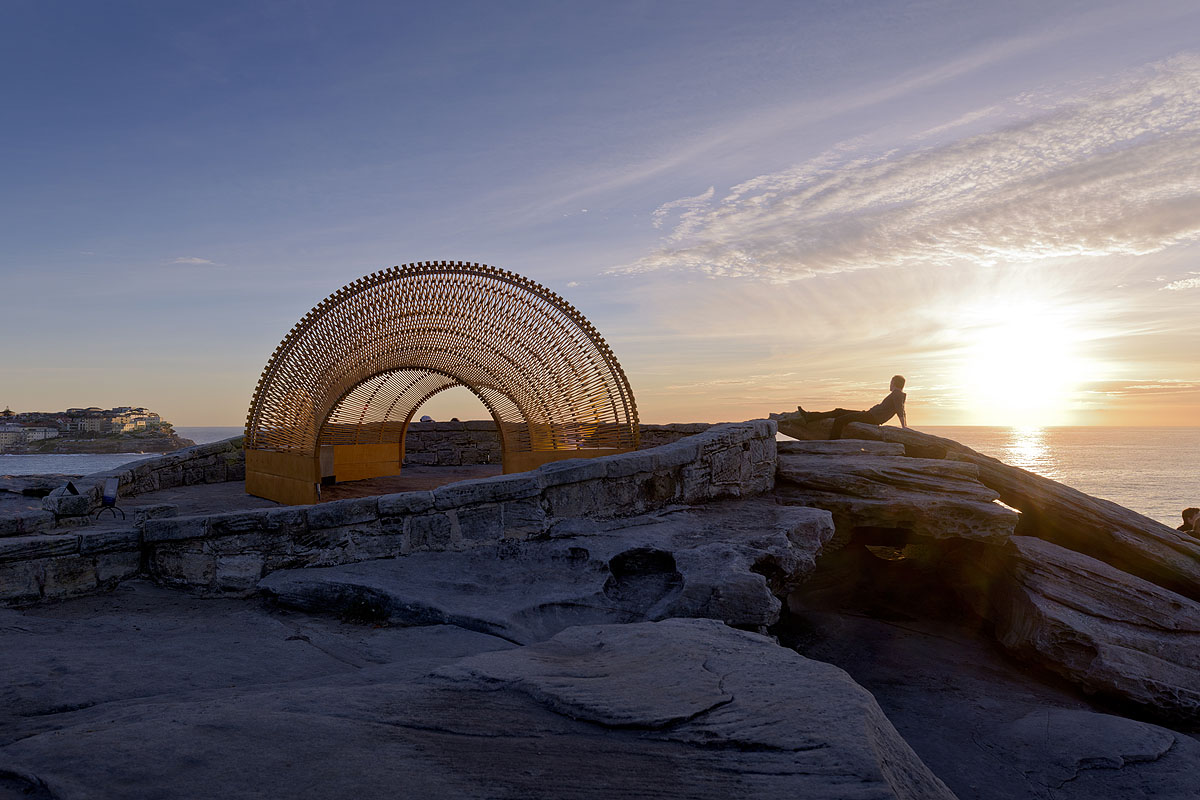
[599, 655]
[151, 692]
[313, 708]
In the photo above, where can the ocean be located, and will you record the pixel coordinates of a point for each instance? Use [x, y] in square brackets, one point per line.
[86, 464]
[1154, 471]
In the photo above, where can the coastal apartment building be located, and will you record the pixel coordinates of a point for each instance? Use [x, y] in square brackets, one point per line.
[126, 420]
[122, 419]
[84, 424]
[12, 433]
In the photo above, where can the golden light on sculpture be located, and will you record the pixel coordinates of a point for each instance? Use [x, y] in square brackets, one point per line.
[336, 398]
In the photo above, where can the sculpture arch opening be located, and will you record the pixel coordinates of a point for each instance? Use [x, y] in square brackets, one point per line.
[336, 397]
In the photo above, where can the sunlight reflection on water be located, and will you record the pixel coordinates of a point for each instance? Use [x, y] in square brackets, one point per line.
[1026, 448]
[1150, 470]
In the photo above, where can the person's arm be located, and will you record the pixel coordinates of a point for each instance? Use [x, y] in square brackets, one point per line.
[903, 417]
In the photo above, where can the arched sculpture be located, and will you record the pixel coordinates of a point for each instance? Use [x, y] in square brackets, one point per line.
[336, 397]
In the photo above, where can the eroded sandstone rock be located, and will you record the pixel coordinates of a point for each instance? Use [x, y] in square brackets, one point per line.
[1108, 630]
[913, 496]
[840, 447]
[679, 709]
[1068, 517]
[1104, 630]
[730, 561]
[1099, 755]
[809, 729]
[990, 731]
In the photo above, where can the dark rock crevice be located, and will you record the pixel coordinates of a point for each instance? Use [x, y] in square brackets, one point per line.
[19, 784]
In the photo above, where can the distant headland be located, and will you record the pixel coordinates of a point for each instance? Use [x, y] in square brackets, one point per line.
[124, 429]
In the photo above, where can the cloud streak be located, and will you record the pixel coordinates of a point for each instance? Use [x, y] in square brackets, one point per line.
[692, 209]
[1184, 283]
[1116, 173]
[191, 260]
[1149, 387]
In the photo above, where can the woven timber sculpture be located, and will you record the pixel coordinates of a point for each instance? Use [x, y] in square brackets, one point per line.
[337, 396]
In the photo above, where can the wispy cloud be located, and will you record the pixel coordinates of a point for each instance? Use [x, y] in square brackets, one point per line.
[1106, 174]
[1158, 386]
[789, 118]
[1185, 283]
[962, 121]
[691, 209]
[192, 260]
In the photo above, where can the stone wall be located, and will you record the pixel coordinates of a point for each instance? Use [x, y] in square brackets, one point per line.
[442, 444]
[70, 564]
[215, 462]
[226, 553]
[445, 444]
[657, 435]
[454, 444]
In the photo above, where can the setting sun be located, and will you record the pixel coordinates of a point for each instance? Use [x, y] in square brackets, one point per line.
[1021, 366]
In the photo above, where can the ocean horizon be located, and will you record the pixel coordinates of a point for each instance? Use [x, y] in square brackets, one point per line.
[1151, 470]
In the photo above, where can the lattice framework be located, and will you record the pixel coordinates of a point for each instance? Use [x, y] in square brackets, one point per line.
[356, 368]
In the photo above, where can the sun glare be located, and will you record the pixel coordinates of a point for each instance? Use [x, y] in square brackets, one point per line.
[1021, 366]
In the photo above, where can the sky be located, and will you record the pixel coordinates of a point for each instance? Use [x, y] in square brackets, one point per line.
[758, 204]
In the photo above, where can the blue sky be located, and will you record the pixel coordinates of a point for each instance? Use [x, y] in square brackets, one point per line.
[758, 204]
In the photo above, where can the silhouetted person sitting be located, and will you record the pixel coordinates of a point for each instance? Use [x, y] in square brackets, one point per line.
[890, 406]
[1190, 517]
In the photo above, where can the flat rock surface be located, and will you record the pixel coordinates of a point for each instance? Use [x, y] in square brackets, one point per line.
[221, 498]
[840, 447]
[413, 478]
[141, 641]
[808, 729]
[989, 729]
[1099, 755]
[13, 488]
[737, 716]
[14, 503]
[920, 496]
[728, 561]
[203, 498]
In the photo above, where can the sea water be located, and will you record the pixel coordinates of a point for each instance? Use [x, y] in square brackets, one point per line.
[1154, 471]
[87, 463]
